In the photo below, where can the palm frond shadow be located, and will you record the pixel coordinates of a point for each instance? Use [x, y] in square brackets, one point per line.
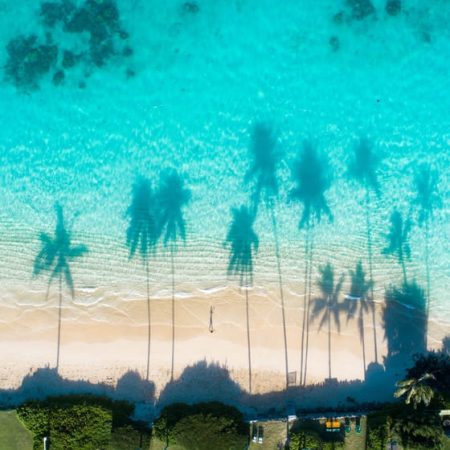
[142, 237]
[427, 196]
[265, 158]
[328, 304]
[364, 164]
[142, 232]
[173, 197]
[356, 303]
[311, 175]
[404, 320]
[243, 241]
[398, 240]
[54, 258]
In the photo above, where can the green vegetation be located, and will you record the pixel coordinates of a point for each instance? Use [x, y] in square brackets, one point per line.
[13, 435]
[83, 423]
[274, 435]
[414, 429]
[312, 434]
[197, 426]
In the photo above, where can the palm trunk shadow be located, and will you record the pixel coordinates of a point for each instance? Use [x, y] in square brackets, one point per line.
[370, 255]
[59, 323]
[248, 338]
[173, 314]
[329, 344]
[280, 282]
[149, 337]
[428, 277]
[361, 325]
[304, 306]
[308, 305]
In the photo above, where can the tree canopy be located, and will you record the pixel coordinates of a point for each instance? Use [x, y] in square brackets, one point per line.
[201, 426]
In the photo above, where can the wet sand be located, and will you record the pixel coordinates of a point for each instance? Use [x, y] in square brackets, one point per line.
[101, 342]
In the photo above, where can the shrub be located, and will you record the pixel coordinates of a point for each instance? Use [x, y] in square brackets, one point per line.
[79, 427]
[377, 431]
[129, 437]
[197, 426]
[79, 422]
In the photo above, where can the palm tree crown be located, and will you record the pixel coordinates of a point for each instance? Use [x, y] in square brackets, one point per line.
[173, 196]
[427, 198]
[364, 164]
[356, 301]
[310, 173]
[57, 252]
[398, 239]
[142, 230]
[417, 390]
[243, 241]
[264, 164]
[328, 303]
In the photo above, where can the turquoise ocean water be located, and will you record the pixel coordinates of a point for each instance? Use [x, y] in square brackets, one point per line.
[200, 81]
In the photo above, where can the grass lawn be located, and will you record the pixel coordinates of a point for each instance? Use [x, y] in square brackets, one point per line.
[356, 441]
[274, 432]
[13, 435]
[156, 444]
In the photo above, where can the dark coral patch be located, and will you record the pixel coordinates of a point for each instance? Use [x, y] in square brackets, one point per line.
[70, 59]
[53, 12]
[58, 77]
[190, 7]
[99, 19]
[100, 51]
[127, 51]
[334, 43]
[393, 7]
[28, 61]
[360, 9]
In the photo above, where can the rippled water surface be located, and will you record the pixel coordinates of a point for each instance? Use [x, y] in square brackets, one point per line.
[187, 95]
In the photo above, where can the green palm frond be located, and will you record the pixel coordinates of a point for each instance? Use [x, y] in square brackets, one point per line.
[416, 390]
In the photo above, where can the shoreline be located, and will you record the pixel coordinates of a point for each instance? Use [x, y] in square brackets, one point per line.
[99, 350]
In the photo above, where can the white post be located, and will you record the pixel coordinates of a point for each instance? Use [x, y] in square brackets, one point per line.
[45, 443]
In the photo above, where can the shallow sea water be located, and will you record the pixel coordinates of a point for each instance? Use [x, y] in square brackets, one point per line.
[202, 80]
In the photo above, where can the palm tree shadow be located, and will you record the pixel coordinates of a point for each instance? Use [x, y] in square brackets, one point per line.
[363, 166]
[363, 169]
[328, 304]
[398, 240]
[263, 177]
[142, 236]
[54, 258]
[173, 197]
[262, 173]
[357, 302]
[427, 201]
[405, 323]
[311, 175]
[243, 241]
